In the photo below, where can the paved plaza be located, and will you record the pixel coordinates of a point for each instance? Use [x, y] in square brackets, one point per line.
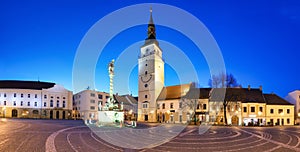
[69, 135]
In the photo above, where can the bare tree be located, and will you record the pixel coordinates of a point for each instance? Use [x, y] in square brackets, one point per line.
[224, 81]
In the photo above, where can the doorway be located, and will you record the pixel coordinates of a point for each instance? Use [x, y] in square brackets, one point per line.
[14, 113]
[51, 114]
[146, 117]
[57, 114]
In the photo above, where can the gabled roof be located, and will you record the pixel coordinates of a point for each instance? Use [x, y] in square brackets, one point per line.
[174, 92]
[273, 99]
[126, 99]
[35, 85]
[198, 93]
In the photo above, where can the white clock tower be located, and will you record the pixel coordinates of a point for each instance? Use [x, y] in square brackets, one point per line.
[151, 75]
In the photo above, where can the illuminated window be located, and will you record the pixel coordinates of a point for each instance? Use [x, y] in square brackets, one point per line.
[261, 109]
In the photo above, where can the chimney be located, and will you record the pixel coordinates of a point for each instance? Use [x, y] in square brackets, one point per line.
[260, 88]
[249, 88]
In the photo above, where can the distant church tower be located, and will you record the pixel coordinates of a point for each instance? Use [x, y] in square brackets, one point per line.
[151, 75]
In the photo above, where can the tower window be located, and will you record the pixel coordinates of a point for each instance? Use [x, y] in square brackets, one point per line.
[146, 72]
[146, 85]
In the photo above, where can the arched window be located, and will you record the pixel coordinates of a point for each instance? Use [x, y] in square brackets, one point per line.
[64, 104]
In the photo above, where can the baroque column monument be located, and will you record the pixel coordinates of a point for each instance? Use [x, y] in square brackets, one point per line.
[112, 113]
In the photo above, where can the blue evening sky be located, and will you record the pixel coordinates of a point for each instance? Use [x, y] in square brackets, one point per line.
[259, 40]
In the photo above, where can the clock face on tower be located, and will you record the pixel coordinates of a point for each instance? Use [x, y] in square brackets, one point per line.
[146, 78]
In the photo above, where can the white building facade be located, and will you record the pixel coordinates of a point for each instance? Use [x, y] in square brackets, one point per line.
[86, 104]
[34, 99]
[294, 98]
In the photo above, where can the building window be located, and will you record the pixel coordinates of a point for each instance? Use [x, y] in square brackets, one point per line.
[272, 111]
[163, 106]
[35, 104]
[57, 103]
[21, 95]
[146, 72]
[180, 104]
[45, 104]
[100, 96]
[64, 104]
[15, 95]
[252, 109]
[28, 103]
[171, 106]
[198, 106]
[45, 96]
[260, 109]
[280, 111]
[245, 109]
[57, 97]
[92, 107]
[92, 101]
[158, 106]
[35, 96]
[64, 97]
[145, 105]
[147, 65]
[15, 103]
[204, 106]
[4, 95]
[4, 103]
[51, 103]
[92, 94]
[28, 95]
[51, 97]
[21, 103]
[146, 85]
[288, 121]
[288, 111]
[146, 96]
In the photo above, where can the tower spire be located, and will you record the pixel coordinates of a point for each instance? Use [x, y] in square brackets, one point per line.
[151, 27]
